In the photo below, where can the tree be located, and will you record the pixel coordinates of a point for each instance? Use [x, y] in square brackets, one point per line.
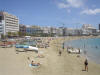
[9, 34]
[14, 34]
[19, 33]
[3, 36]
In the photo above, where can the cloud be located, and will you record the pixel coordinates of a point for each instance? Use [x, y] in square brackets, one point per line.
[91, 11]
[75, 3]
[62, 5]
[70, 3]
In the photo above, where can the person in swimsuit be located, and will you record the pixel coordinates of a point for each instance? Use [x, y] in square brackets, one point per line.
[86, 65]
[35, 64]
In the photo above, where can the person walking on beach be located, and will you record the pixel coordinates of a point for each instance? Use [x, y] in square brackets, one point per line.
[60, 52]
[63, 46]
[86, 65]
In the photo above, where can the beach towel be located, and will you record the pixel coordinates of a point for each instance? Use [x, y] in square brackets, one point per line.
[30, 65]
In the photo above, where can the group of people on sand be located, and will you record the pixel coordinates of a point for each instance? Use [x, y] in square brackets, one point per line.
[33, 63]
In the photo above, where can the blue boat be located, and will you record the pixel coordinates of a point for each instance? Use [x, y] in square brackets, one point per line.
[22, 46]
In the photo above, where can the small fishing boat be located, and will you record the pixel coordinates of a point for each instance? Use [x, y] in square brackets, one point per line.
[74, 50]
[22, 46]
[31, 48]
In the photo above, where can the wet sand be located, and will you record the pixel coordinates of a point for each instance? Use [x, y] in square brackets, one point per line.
[17, 63]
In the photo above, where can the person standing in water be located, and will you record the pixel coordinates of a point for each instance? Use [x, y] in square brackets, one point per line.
[86, 65]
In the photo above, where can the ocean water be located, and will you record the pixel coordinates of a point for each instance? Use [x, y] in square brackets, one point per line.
[90, 48]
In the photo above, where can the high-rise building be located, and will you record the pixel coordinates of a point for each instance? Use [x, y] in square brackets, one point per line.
[8, 23]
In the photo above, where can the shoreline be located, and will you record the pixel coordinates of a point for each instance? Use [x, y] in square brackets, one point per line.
[82, 54]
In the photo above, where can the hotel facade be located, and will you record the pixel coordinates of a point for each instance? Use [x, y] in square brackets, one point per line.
[8, 23]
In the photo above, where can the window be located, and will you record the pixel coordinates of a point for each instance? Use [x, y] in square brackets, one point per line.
[0, 18]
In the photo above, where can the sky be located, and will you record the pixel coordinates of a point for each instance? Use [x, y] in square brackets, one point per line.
[70, 13]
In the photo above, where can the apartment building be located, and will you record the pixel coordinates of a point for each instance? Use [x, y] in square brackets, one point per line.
[8, 23]
[88, 29]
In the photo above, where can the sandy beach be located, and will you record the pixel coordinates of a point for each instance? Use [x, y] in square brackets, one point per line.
[17, 63]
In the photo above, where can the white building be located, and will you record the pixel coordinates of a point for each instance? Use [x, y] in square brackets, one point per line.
[72, 32]
[8, 23]
[88, 29]
[60, 31]
[46, 30]
[53, 30]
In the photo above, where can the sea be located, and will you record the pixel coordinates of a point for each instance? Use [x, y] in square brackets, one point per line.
[90, 48]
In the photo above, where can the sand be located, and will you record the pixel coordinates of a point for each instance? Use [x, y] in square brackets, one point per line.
[17, 63]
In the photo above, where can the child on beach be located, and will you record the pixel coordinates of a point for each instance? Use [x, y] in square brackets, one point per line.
[86, 65]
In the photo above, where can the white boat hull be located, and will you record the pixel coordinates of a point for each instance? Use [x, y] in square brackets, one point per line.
[73, 51]
[32, 48]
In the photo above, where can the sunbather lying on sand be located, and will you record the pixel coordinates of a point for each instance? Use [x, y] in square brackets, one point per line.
[40, 56]
[34, 63]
